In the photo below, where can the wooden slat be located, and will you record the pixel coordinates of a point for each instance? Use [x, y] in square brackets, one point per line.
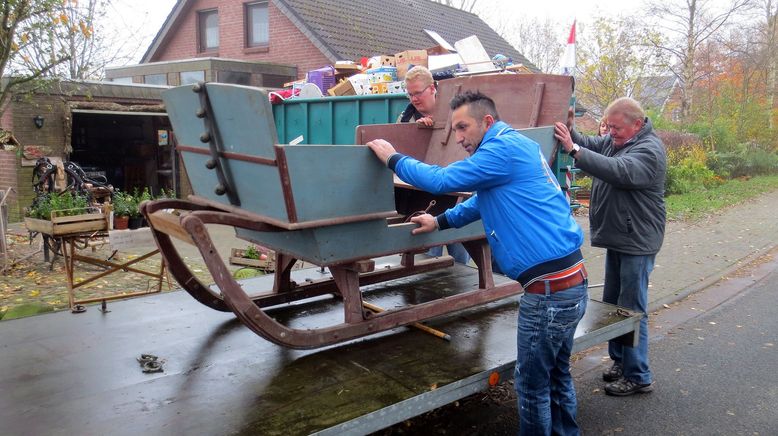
[170, 225]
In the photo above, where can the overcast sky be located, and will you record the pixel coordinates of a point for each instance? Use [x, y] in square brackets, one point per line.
[139, 20]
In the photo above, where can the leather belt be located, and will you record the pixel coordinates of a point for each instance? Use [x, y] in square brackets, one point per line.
[559, 284]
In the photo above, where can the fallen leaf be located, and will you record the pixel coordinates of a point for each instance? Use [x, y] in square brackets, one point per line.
[666, 306]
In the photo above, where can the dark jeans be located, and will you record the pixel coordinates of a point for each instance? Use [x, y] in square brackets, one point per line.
[626, 284]
[547, 402]
[456, 250]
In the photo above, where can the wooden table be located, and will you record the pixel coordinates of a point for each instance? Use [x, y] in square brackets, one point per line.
[118, 240]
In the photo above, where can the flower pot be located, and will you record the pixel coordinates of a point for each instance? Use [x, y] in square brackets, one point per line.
[135, 222]
[120, 222]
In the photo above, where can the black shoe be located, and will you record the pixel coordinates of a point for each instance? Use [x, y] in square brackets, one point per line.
[613, 373]
[624, 387]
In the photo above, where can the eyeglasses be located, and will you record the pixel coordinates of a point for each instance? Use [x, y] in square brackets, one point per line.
[418, 94]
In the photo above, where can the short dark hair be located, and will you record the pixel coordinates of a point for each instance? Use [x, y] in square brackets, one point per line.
[479, 105]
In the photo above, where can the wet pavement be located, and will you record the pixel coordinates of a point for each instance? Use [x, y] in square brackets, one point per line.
[694, 256]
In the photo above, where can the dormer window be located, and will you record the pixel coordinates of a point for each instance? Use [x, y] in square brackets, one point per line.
[257, 24]
[208, 30]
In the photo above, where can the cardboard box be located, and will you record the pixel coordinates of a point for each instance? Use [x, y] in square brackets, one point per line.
[437, 50]
[378, 88]
[395, 88]
[360, 83]
[382, 74]
[343, 88]
[388, 61]
[407, 59]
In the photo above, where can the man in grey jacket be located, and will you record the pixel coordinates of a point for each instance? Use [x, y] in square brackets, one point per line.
[627, 218]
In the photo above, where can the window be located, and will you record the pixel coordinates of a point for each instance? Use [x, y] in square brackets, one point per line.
[122, 80]
[208, 28]
[189, 77]
[155, 79]
[257, 25]
[235, 77]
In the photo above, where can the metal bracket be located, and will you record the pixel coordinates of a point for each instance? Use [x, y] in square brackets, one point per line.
[213, 139]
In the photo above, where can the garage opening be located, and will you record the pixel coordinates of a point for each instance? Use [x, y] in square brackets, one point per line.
[132, 150]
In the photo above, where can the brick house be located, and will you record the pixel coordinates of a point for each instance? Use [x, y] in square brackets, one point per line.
[309, 34]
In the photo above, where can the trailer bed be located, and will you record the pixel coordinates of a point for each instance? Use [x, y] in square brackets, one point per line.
[63, 373]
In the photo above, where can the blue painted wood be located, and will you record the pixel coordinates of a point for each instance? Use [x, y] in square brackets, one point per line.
[244, 119]
[361, 240]
[544, 136]
[330, 181]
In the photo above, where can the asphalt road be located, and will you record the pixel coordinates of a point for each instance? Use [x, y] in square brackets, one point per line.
[715, 362]
[716, 374]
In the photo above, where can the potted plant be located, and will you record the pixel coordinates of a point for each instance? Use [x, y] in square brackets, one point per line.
[135, 199]
[121, 210]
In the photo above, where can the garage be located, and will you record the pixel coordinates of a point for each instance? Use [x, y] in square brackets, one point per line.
[132, 149]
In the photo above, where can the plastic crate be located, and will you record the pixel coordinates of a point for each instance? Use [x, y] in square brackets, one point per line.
[323, 77]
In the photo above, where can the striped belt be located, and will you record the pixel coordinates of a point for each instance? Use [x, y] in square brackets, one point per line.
[560, 281]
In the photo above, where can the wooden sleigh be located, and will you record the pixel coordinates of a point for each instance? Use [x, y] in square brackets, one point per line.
[335, 206]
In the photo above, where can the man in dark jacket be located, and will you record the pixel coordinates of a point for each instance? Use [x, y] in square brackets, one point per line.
[627, 217]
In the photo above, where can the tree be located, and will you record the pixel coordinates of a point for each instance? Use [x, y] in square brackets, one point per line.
[539, 41]
[613, 54]
[22, 22]
[688, 25]
[90, 49]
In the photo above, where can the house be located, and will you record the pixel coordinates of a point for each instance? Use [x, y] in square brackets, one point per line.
[660, 93]
[300, 34]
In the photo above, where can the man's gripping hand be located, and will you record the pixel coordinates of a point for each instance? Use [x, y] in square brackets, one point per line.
[426, 224]
[382, 149]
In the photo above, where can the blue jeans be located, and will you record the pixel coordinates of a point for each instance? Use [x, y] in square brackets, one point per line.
[547, 403]
[456, 250]
[626, 284]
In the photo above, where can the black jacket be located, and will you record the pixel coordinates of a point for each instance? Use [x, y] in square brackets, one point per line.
[409, 114]
[627, 210]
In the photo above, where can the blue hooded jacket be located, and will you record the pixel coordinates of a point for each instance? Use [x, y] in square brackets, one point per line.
[524, 212]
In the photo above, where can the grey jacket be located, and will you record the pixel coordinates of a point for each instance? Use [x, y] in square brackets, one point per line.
[627, 210]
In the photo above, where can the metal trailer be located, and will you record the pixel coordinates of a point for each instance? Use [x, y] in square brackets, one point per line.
[78, 374]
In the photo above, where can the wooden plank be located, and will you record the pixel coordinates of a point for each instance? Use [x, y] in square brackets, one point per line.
[77, 218]
[170, 225]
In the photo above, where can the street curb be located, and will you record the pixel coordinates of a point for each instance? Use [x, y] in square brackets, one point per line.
[709, 281]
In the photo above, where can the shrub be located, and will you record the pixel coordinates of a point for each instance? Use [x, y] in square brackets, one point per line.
[688, 175]
[584, 182]
[744, 160]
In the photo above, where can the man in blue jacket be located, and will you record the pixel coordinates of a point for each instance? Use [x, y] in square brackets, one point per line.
[533, 238]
